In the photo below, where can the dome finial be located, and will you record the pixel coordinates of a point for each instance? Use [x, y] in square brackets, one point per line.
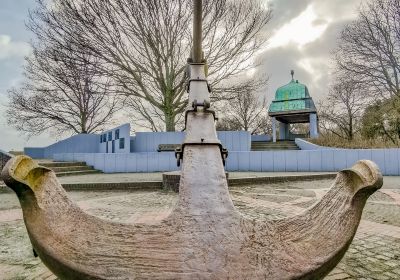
[292, 73]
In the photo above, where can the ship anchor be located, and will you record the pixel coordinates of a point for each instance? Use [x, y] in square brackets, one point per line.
[205, 237]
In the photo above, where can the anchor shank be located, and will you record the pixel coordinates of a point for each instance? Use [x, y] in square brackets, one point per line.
[197, 55]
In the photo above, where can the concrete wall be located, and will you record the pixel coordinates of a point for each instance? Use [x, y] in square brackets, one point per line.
[81, 143]
[269, 161]
[125, 163]
[149, 141]
[332, 160]
[305, 145]
[120, 139]
[235, 140]
[34, 152]
[142, 142]
[261, 138]
[4, 157]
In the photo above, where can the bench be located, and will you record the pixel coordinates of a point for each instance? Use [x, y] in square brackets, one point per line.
[168, 147]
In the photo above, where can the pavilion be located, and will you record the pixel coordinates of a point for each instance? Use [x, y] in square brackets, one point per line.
[293, 104]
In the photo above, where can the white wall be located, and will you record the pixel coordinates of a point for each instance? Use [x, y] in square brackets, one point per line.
[332, 160]
[124, 133]
[305, 145]
[125, 163]
[388, 161]
[149, 141]
[80, 143]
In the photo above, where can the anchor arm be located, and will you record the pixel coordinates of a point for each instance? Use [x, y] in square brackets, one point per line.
[75, 245]
[312, 243]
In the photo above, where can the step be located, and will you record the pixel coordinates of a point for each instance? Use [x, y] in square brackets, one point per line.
[71, 168]
[62, 164]
[285, 141]
[262, 143]
[77, 173]
[274, 145]
[277, 149]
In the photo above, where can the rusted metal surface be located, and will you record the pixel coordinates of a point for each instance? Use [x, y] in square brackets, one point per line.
[205, 237]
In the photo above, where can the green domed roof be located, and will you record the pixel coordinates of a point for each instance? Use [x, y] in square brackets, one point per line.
[293, 90]
[292, 98]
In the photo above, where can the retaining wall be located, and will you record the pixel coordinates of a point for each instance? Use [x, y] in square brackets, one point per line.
[81, 143]
[332, 160]
[125, 163]
[305, 145]
[261, 138]
[148, 141]
[143, 142]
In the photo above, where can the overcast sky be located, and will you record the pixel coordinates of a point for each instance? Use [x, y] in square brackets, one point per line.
[302, 35]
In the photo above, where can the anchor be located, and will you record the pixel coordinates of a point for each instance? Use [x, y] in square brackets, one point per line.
[205, 237]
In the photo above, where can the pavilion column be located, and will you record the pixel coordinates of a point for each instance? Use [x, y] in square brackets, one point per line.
[274, 129]
[283, 131]
[313, 126]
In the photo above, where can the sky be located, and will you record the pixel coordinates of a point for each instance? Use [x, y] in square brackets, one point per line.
[302, 35]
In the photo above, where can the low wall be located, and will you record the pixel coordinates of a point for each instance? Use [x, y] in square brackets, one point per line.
[305, 145]
[145, 142]
[34, 152]
[4, 157]
[332, 160]
[261, 138]
[81, 143]
[125, 163]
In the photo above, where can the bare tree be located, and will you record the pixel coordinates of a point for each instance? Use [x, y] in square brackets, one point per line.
[341, 112]
[61, 94]
[369, 48]
[245, 111]
[143, 45]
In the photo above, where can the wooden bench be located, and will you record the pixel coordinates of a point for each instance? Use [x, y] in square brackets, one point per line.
[168, 147]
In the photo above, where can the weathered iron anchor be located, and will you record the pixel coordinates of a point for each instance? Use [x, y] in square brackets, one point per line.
[205, 237]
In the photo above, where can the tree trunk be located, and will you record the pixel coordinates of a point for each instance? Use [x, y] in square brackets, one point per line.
[169, 121]
[351, 134]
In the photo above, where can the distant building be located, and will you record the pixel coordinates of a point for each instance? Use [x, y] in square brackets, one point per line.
[293, 104]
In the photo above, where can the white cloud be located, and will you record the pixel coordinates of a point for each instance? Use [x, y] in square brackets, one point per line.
[12, 49]
[300, 30]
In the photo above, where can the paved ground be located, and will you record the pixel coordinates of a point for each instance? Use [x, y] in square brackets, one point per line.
[139, 177]
[157, 177]
[374, 253]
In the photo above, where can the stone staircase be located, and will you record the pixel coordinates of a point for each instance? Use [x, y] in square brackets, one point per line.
[271, 146]
[69, 168]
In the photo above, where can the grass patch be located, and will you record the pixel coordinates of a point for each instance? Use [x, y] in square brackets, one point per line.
[356, 143]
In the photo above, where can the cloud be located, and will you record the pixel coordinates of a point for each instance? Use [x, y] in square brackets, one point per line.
[300, 30]
[11, 49]
[286, 10]
[304, 34]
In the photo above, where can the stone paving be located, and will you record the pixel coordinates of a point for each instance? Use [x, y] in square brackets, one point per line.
[374, 253]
